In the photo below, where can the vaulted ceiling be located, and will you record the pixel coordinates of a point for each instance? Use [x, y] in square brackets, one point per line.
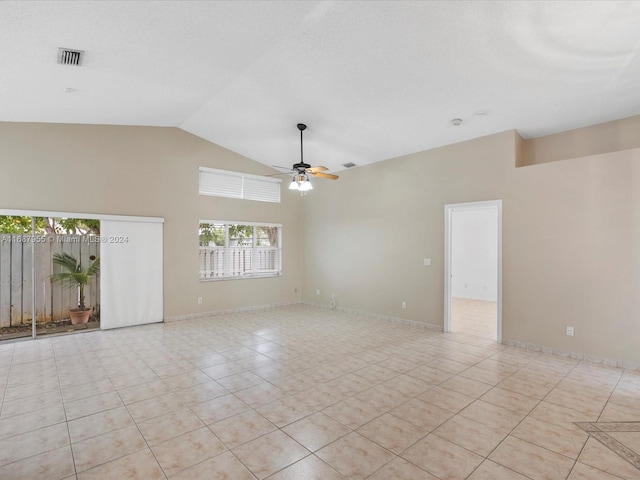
[372, 80]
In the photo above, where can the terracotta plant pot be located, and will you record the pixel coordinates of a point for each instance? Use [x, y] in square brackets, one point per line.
[79, 316]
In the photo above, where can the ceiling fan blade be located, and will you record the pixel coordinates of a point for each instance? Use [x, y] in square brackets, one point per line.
[316, 169]
[330, 176]
[283, 168]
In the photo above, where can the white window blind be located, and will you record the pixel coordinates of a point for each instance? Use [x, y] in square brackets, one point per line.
[225, 183]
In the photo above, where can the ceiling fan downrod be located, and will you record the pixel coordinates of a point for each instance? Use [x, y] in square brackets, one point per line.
[301, 165]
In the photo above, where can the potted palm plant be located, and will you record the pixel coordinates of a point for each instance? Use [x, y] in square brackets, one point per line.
[73, 275]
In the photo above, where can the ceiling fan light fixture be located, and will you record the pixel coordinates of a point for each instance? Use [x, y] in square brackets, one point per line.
[305, 186]
[301, 171]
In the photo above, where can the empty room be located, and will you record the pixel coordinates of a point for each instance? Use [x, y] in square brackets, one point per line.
[297, 240]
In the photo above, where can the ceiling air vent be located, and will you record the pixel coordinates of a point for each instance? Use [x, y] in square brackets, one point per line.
[68, 56]
[349, 165]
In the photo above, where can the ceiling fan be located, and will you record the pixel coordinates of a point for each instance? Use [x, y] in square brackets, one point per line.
[301, 170]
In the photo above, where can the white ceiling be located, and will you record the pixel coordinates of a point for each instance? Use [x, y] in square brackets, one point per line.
[372, 80]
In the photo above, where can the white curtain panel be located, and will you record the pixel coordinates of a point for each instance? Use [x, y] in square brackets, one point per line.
[131, 272]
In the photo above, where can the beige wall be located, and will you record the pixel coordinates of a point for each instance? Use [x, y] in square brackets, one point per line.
[572, 255]
[147, 171]
[614, 136]
[571, 241]
[571, 229]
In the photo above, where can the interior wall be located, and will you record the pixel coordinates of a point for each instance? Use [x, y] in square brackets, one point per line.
[369, 232]
[148, 171]
[474, 253]
[571, 229]
[613, 136]
[571, 241]
[573, 255]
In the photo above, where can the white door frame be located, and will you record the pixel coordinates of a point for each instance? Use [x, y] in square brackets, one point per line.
[448, 214]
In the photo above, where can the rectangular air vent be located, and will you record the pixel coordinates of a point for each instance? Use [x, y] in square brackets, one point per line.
[68, 56]
[349, 165]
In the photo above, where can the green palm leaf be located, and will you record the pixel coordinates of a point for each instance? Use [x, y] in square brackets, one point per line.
[73, 275]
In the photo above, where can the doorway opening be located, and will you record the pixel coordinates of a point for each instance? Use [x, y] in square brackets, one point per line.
[473, 269]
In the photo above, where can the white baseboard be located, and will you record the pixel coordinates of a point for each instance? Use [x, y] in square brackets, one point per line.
[230, 310]
[377, 316]
[610, 362]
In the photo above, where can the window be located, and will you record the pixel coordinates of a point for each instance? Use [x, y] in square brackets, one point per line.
[239, 250]
[225, 183]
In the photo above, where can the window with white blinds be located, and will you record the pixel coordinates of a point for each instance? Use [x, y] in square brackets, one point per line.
[225, 183]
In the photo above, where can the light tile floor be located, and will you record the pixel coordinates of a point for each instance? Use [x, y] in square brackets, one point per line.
[302, 393]
[474, 317]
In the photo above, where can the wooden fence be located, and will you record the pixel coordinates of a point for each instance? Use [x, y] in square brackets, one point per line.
[53, 301]
[218, 262]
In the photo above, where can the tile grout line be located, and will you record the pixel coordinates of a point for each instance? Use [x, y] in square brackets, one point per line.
[64, 409]
[524, 418]
[300, 362]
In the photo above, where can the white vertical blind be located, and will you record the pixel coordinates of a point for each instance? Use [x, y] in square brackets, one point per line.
[131, 273]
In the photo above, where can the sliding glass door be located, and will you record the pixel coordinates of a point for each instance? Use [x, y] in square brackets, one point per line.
[61, 274]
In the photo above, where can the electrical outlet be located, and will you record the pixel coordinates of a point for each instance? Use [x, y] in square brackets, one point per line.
[199, 300]
[318, 292]
[570, 331]
[427, 262]
[404, 304]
